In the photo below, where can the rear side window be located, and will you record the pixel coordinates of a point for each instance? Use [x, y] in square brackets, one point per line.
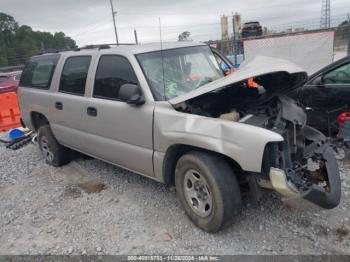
[112, 72]
[340, 75]
[38, 72]
[3, 78]
[74, 74]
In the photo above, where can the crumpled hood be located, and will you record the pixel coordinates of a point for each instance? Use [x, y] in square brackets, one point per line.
[255, 67]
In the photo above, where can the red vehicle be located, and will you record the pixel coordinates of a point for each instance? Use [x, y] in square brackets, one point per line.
[9, 81]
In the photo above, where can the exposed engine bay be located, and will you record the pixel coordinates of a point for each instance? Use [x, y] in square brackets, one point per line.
[305, 155]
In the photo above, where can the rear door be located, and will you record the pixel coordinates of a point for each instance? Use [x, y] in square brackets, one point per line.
[337, 81]
[69, 103]
[118, 132]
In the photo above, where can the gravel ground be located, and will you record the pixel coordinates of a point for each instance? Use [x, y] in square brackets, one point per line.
[90, 207]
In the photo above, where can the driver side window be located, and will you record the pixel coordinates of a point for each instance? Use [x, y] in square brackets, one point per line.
[340, 75]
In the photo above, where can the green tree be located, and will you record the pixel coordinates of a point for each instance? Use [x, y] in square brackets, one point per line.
[3, 53]
[7, 23]
[62, 41]
[19, 43]
[8, 26]
[26, 45]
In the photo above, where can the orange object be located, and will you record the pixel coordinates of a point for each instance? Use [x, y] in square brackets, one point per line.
[9, 111]
[252, 83]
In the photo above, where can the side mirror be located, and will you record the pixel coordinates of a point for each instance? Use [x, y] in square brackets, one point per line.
[131, 94]
[318, 81]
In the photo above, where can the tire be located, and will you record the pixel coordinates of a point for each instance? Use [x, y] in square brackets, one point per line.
[208, 190]
[53, 153]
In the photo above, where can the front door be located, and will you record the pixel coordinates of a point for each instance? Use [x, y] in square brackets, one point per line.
[118, 132]
[328, 97]
[315, 99]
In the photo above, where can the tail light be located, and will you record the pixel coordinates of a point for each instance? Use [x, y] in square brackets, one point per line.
[343, 122]
[342, 118]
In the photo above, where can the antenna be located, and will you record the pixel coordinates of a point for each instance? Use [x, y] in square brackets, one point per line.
[161, 55]
[135, 35]
[326, 14]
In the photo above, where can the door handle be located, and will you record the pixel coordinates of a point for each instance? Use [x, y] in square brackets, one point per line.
[91, 111]
[309, 109]
[59, 105]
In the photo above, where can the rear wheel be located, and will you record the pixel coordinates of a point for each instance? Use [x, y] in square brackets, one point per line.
[53, 153]
[208, 190]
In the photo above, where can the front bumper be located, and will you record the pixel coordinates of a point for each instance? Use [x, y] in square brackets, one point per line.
[315, 194]
[280, 183]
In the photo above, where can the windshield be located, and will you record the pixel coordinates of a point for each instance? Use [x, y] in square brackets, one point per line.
[181, 70]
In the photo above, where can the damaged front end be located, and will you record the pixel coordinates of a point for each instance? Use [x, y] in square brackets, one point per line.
[301, 166]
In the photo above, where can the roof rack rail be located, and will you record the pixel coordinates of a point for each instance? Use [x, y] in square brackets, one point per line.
[101, 46]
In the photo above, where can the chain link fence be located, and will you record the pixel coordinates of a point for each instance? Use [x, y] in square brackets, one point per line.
[234, 48]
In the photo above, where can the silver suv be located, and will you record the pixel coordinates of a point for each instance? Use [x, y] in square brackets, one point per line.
[171, 113]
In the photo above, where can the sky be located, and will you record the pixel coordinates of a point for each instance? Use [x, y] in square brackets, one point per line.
[90, 21]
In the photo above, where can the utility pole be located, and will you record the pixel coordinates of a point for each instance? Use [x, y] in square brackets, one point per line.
[326, 14]
[115, 27]
[42, 47]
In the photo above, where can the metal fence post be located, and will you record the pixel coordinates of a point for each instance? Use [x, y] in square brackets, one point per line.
[348, 34]
[235, 48]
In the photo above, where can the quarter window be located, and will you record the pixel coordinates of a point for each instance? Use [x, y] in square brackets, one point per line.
[340, 75]
[112, 72]
[74, 74]
[38, 72]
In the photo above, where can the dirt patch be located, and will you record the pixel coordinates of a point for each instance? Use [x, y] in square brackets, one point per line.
[92, 186]
[75, 190]
[342, 232]
[72, 191]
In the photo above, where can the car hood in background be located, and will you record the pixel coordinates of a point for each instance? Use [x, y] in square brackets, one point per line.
[258, 66]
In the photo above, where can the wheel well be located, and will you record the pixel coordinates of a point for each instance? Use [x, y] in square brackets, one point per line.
[174, 152]
[38, 120]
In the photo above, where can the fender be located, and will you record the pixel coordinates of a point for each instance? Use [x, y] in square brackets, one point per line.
[243, 143]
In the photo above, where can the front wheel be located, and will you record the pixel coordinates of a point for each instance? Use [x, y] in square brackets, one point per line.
[208, 190]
